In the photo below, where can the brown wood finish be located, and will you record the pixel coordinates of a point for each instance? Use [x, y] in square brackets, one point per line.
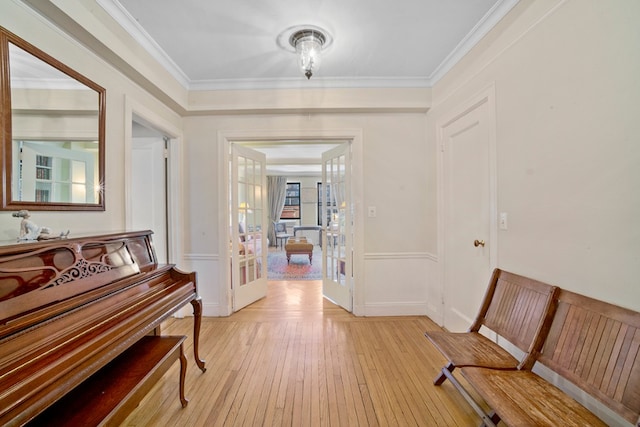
[107, 397]
[516, 308]
[593, 344]
[100, 295]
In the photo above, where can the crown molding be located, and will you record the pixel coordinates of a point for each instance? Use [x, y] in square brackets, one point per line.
[129, 24]
[135, 30]
[488, 21]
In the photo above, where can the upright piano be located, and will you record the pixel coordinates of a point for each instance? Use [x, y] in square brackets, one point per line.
[80, 320]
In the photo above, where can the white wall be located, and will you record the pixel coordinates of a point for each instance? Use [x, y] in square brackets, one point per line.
[394, 176]
[567, 90]
[22, 21]
[394, 149]
[568, 157]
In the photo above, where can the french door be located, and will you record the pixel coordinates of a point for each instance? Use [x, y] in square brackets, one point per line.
[248, 220]
[337, 223]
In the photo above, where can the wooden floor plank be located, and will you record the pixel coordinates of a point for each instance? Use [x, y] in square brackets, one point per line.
[295, 359]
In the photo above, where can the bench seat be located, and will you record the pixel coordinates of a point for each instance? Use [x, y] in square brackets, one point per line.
[108, 396]
[523, 399]
[515, 307]
[592, 344]
[472, 349]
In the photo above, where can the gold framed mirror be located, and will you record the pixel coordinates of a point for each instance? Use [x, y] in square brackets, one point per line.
[53, 137]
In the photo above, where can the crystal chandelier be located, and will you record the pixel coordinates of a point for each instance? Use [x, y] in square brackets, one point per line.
[308, 44]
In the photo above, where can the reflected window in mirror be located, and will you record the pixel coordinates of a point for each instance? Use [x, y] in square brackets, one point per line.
[54, 155]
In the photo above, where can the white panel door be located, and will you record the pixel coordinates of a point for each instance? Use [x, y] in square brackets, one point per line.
[468, 194]
[337, 222]
[248, 219]
[149, 193]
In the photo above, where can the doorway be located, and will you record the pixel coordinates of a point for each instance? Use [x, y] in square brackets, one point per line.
[149, 189]
[152, 172]
[329, 137]
[468, 208]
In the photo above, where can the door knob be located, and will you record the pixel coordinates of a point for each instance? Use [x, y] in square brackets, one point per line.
[477, 243]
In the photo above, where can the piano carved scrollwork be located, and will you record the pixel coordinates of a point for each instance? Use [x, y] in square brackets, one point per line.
[73, 264]
[80, 270]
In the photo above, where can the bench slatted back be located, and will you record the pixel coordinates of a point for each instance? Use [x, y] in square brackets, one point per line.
[519, 309]
[596, 346]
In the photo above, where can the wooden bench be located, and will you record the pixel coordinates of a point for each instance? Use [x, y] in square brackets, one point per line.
[516, 308]
[594, 345]
[107, 397]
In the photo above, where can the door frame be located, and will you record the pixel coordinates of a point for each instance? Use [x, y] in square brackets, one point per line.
[485, 96]
[225, 138]
[133, 108]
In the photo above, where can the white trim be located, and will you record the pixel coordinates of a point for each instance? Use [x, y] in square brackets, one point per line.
[468, 320]
[354, 135]
[488, 21]
[499, 54]
[395, 309]
[135, 30]
[315, 83]
[224, 270]
[201, 257]
[400, 255]
[213, 310]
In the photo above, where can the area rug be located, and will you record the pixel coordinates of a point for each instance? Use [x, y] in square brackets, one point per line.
[297, 269]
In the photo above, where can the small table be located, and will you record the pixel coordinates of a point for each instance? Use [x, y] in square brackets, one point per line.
[309, 227]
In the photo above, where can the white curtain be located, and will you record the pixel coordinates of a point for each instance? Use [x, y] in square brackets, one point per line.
[276, 190]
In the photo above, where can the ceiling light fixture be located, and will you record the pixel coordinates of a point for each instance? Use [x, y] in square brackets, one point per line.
[308, 43]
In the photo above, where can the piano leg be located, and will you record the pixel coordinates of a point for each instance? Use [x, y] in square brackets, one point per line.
[197, 318]
[183, 374]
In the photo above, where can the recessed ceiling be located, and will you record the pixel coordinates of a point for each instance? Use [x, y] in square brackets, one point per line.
[233, 44]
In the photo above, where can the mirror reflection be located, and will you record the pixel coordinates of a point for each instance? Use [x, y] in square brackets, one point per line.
[56, 144]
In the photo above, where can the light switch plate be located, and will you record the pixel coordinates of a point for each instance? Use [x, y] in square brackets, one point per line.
[503, 221]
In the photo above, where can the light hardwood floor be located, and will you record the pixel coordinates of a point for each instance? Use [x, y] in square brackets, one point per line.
[295, 359]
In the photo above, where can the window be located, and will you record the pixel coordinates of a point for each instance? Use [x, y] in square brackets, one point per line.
[291, 208]
[325, 202]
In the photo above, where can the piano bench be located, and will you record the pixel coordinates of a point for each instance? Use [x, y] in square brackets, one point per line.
[109, 396]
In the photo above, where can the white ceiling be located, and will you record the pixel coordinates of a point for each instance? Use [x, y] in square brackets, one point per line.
[293, 158]
[210, 45]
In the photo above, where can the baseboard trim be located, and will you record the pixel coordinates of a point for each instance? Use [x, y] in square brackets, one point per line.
[394, 309]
